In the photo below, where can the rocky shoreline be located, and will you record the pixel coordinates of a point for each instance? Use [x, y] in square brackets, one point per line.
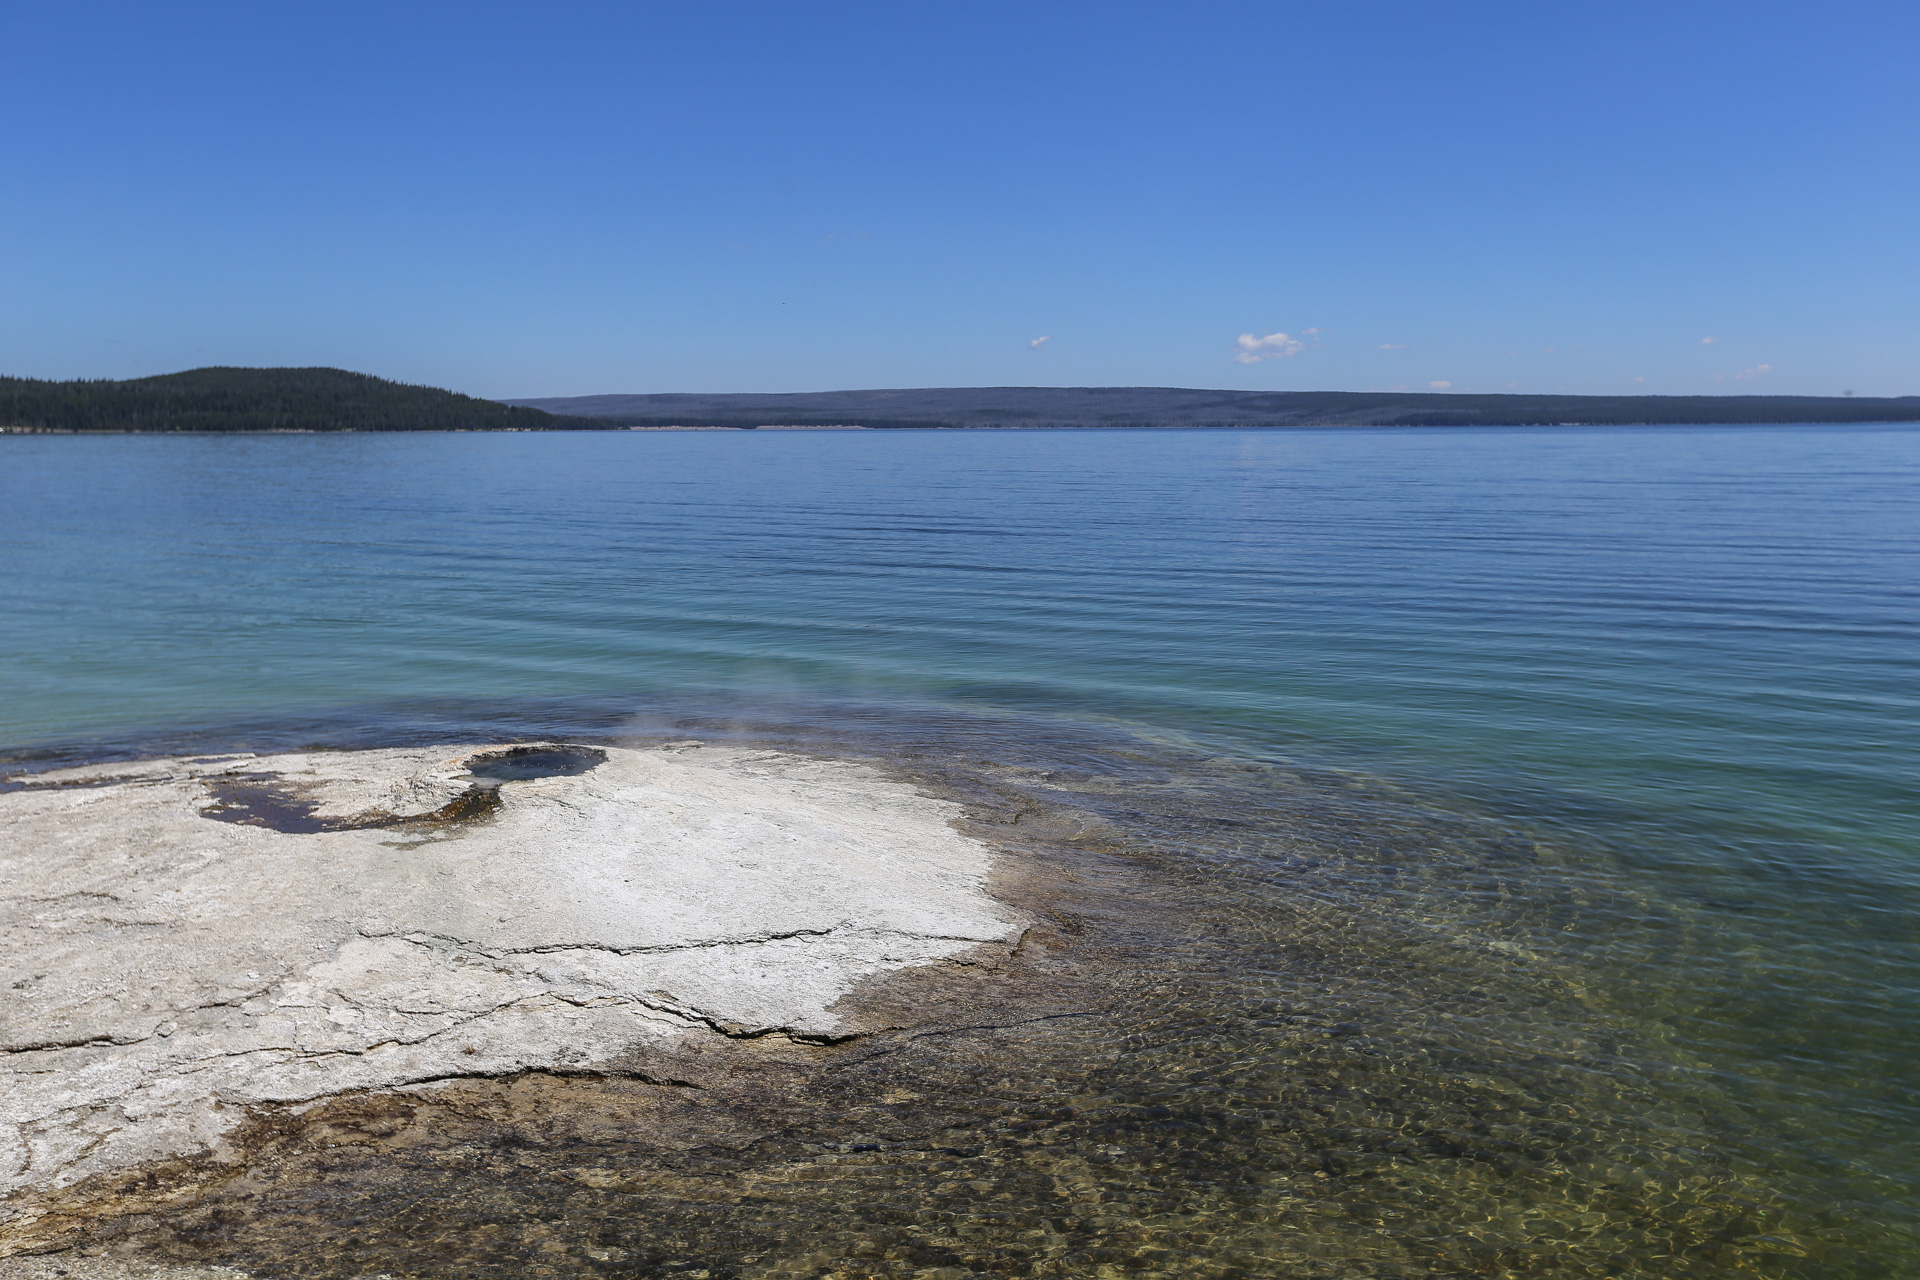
[204, 953]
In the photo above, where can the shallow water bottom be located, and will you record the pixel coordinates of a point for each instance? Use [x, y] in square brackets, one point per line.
[1278, 1021]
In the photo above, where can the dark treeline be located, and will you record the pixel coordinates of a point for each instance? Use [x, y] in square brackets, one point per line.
[1188, 407]
[259, 400]
[226, 399]
[1539, 411]
[742, 422]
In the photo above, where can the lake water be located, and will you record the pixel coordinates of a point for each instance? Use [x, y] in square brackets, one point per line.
[1537, 807]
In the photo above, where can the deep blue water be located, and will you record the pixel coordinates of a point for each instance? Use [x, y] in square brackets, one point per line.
[1693, 652]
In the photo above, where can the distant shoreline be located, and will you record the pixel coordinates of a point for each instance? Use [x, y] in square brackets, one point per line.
[942, 429]
[319, 399]
[1059, 408]
[1237, 426]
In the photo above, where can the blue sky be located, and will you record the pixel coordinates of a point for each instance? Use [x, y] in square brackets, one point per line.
[575, 198]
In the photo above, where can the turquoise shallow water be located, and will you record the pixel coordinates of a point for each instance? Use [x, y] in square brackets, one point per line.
[1678, 667]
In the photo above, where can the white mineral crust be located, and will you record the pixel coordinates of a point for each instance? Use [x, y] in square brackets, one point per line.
[163, 972]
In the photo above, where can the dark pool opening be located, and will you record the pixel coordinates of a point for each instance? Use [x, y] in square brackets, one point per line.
[264, 800]
[518, 764]
[260, 800]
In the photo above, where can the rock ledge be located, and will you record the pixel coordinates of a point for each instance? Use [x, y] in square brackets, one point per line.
[171, 960]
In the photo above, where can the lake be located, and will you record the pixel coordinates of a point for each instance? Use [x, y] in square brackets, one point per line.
[1530, 813]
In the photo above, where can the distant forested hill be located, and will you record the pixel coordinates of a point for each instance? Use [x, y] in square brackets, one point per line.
[223, 399]
[1184, 407]
[258, 400]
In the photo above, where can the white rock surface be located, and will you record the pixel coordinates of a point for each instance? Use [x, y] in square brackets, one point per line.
[161, 972]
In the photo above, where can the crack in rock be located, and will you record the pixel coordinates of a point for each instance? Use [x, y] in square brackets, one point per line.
[612, 904]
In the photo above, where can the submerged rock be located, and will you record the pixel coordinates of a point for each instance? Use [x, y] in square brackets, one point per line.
[188, 939]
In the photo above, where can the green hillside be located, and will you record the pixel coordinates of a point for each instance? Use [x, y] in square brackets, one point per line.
[222, 399]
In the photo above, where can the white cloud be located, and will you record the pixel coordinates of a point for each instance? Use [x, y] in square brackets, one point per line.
[1707, 341]
[1040, 342]
[1275, 346]
[1639, 379]
[1440, 384]
[1747, 375]
[1391, 346]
